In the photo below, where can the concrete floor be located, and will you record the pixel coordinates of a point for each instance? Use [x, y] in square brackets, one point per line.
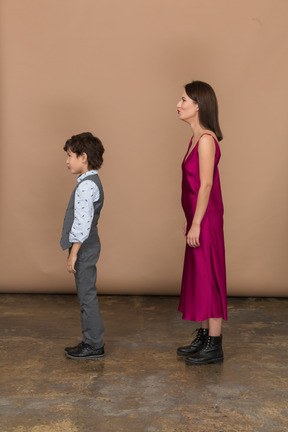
[140, 385]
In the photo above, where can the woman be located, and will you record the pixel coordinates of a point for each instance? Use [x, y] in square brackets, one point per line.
[203, 291]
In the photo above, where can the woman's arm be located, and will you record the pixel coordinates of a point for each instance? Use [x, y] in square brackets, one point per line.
[206, 152]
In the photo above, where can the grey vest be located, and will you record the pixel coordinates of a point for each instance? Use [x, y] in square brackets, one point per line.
[69, 216]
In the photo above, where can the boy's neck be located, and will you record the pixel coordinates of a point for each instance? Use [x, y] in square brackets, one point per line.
[85, 170]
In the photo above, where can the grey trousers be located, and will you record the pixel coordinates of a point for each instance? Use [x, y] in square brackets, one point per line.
[85, 279]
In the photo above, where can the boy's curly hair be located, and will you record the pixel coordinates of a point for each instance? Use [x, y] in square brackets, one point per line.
[86, 143]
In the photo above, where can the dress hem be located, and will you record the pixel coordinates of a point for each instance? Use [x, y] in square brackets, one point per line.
[225, 318]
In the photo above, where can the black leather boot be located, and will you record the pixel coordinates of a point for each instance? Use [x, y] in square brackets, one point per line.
[195, 345]
[210, 352]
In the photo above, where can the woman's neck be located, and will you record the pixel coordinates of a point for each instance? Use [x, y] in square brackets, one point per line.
[197, 130]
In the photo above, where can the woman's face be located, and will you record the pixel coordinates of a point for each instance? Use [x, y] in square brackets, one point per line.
[187, 109]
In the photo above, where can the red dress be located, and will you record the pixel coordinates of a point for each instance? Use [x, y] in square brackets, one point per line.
[203, 290]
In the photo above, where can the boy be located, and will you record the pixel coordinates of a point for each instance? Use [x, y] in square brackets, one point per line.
[80, 236]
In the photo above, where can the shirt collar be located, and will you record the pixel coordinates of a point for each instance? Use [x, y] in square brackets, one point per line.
[86, 174]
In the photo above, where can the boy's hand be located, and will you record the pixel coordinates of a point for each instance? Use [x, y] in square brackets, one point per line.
[72, 257]
[71, 260]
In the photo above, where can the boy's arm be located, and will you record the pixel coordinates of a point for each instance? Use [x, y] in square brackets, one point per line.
[72, 257]
[85, 196]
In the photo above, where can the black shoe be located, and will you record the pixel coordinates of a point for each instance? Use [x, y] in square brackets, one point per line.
[86, 351]
[67, 349]
[195, 345]
[211, 352]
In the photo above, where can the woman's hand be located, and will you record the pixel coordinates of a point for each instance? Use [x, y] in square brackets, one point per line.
[193, 235]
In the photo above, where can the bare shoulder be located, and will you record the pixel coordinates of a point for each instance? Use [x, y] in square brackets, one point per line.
[207, 143]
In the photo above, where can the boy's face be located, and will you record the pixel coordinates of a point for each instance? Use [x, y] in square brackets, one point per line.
[76, 164]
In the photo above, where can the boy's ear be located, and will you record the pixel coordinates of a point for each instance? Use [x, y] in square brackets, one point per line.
[84, 158]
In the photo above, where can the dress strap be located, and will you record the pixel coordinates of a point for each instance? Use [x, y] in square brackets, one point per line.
[206, 133]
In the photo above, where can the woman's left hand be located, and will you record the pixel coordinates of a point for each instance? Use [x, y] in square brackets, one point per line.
[193, 235]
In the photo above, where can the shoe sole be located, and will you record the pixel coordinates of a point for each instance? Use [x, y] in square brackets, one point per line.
[219, 360]
[85, 357]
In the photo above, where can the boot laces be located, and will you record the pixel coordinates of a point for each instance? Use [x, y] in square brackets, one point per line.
[206, 346]
[198, 337]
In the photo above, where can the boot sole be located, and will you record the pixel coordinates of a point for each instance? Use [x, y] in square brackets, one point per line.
[218, 360]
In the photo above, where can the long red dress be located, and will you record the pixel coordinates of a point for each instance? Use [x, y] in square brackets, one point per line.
[203, 290]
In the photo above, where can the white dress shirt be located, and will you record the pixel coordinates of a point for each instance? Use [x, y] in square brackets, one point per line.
[85, 195]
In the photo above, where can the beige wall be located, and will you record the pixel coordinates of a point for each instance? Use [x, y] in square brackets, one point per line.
[116, 68]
